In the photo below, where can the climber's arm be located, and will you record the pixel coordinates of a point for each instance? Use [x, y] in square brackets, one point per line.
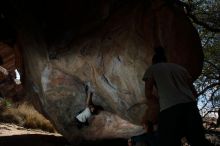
[89, 99]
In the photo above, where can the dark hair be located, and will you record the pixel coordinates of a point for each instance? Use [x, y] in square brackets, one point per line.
[159, 55]
[1, 60]
[97, 109]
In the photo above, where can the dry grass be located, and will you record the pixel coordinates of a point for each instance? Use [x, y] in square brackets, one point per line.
[24, 115]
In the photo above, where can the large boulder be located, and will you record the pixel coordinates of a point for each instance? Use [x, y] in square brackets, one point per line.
[108, 43]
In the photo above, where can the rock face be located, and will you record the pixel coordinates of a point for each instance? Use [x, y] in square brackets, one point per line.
[108, 43]
[11, 61]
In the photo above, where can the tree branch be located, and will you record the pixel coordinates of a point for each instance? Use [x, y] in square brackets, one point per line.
[208, 87]
[188, 8]
[203, 24]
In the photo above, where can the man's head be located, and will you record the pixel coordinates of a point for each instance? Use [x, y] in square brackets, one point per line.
[92, 108]
[159, 55]
[95, 109]
[1, 60]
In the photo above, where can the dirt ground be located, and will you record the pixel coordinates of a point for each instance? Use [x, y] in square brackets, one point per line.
[13, 135]
[32, 140]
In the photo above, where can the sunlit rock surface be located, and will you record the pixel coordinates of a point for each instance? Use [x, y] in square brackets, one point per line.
[108, 43]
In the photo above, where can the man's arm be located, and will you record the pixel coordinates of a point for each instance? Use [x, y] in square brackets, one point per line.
[152, 101]
[89, 94]
[89, 99]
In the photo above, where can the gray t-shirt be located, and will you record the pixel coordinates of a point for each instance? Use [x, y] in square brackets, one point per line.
[83, 116]
[172, 84]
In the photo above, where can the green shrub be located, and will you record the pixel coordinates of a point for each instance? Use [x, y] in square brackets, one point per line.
[5, 103]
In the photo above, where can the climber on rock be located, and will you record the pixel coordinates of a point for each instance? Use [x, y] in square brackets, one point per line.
[91, 109]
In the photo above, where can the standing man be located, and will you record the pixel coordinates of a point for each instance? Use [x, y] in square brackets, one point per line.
[178, 115]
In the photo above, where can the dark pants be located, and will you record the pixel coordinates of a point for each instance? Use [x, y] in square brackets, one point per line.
[149, 139]
[81, 124]
[179, 121]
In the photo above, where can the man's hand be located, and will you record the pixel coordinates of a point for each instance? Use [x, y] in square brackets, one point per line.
[130, 142]
[153, 110]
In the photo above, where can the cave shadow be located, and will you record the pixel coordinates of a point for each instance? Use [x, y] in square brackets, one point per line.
[33, 140]
[105, 142]
[51, 140]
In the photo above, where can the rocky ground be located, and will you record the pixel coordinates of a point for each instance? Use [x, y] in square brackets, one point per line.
[13, 135]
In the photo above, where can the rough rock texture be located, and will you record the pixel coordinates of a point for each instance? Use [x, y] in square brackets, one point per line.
[109, 43]
[8, 57]
[11, 61]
